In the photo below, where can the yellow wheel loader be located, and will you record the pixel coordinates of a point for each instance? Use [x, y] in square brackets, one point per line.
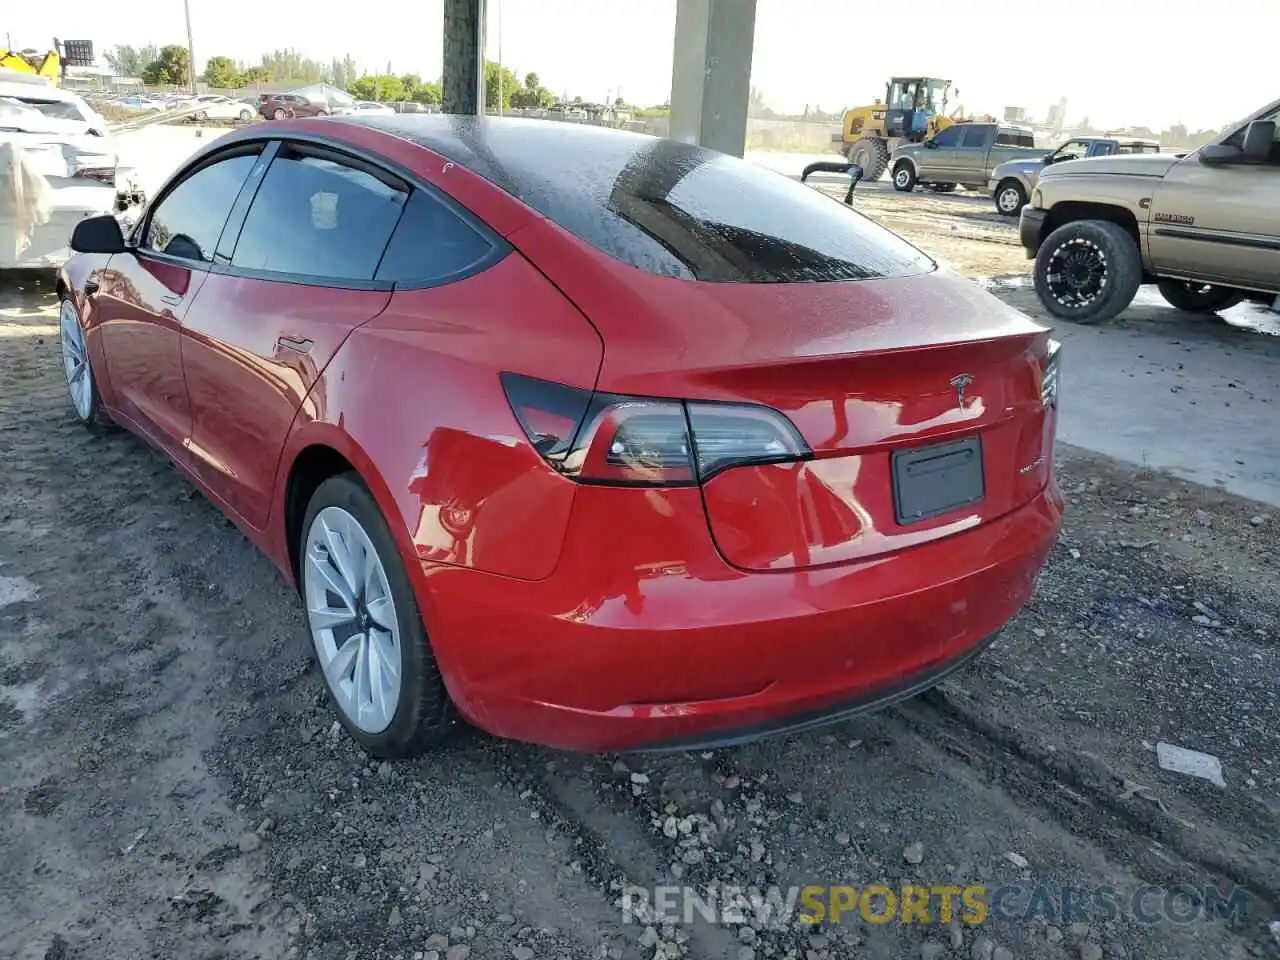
[913, 109]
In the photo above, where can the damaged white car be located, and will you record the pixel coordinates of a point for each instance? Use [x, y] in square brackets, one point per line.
[57, 166]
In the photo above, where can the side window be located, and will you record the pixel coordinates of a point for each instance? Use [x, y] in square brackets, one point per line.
[1076, 150]
[974, 137]
[316, 216]
[188, 220]
[949, 137]
[431, 244]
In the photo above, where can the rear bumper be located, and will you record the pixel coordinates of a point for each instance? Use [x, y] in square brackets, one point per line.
[647, 639]
[1031, 229]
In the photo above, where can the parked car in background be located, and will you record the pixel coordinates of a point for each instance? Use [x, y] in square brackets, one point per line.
[214, 107]
[57, 167]
[963, 153]
[316, 100]
[1204, 227]
[1011, 182]
[368, 108]
[619, 516]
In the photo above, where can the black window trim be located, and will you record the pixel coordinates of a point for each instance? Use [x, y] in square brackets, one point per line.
[388, 172]
[137, 236]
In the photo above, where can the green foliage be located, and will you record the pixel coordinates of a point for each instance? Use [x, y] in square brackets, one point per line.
[222, 72]
[532, 94]
[383, 87]
[290, 66]
[428, 93]
[172, 66]
[255, 76]
[127, 61]
[510, 83]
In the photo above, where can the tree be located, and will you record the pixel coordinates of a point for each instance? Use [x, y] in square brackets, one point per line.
[222, 72]
[255, 76]
[126, 61]
[510, 83]
[172, 66]
[289, 64]
[381, 87]
[429, 92]
[532, 81]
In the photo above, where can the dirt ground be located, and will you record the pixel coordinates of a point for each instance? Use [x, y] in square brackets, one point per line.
[174, 785]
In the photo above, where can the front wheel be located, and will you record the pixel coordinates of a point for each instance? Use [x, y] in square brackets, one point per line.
[904, 178]
[1010, 198]
[245, 116]
[1193, 297]
[81, 385]
[1088, 271]
[278, 114]
[366, 627]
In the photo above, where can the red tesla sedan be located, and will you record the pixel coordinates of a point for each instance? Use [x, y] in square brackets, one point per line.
[594, 439]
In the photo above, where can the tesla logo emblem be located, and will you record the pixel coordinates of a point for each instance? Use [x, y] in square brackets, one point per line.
[961, 382]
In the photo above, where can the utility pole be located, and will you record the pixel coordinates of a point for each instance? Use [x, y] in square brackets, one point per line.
[191, 48]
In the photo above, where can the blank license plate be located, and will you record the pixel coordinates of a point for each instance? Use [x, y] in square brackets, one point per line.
[929, 481]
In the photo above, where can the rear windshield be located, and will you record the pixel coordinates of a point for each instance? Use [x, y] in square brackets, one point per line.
[57, 109]
[678, 210]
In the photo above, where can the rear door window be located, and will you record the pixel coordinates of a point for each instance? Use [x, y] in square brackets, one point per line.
[189, 218]
[319, 215]
[949, 137]
[433, 244]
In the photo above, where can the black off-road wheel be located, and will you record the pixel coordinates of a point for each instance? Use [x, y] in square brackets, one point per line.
[904, 177]
[366, 627]
[872, 155]
[1192, 297]
[1088, 271]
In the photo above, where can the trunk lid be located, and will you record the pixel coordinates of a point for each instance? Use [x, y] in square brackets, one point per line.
[868, 371]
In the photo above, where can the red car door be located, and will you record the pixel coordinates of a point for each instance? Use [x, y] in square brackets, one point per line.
[144, 295]
[301, 278]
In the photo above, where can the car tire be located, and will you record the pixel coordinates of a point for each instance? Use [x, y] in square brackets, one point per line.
[872, 155]
[278, 114]
[322, 113]
[245, 116]
[942, 187]
[201, 117]
[1088, 271]
[343, 519]
[1192, 297]
[904, 177]
[1010, 198]
[82, 385]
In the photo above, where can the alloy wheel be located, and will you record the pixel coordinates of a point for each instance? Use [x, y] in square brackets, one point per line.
[352, 618]
[902, 178]
[75, 360]
[1009, 199]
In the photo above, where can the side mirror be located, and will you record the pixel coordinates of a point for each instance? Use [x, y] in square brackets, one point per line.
[100, 234]
[1255, 147]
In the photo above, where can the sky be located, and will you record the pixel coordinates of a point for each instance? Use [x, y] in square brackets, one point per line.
[1118, 62]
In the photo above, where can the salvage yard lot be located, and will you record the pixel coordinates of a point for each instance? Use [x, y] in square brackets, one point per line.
[174, 785]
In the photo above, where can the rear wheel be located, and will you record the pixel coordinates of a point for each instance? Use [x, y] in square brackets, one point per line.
[872, 155]
[904, 177]
[245, 116]
[278, 114]
[1193, 297]
[1010, 198]
[1088, 271]
[366, 627]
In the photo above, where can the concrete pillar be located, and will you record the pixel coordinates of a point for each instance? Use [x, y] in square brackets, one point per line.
[464, 57]
[711, 73]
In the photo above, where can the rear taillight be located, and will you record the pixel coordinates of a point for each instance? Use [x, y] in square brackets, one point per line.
[1050, 374]
[105, 175]
[642, 441]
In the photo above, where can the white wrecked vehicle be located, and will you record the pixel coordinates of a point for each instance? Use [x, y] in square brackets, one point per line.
[57, 166]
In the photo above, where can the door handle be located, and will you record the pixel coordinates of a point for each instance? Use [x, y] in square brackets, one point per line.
[173, 299]
[296, 344]
[91, 286]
